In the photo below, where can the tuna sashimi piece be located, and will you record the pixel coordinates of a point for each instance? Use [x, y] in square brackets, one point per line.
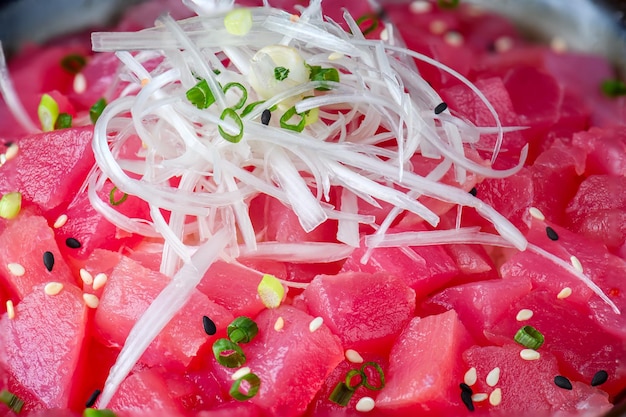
[425, 368]
[127, 294]
[22, 245]
[41, 347]
[304, 357]
[367, 311]
[605, 148]
[527, 386]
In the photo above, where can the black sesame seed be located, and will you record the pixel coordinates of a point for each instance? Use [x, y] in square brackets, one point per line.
[465, 387]
[209, 326]
[266, 116]
[72, 243]
[466, 397]
[473, 191]
[441, 107]
[48, 260]
[93, 398]
[562, 382]
[8, 144]
[599, 378]
[552, 235]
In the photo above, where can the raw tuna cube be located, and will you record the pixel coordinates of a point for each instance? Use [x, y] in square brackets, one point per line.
[41, 347]
[528, 386]
[24, 243]
[305, 359]
[425, 368]
[367, 311]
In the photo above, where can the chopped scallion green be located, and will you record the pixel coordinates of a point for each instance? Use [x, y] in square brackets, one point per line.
[381, 376]
[251, 107]
[249, 382]
[113, 200]
[529, 337]
[350, 375]
[229, 112]
[96, 110]
[341, 395]
[92, 412]
[10, 205]
[64, 121]
[48, 112]
[14, 402]
[271, 291]
[317, 73]
[373, 23]
[228, 353]
[281, 73]
[73, 63]
[244, 94]
[242, 330]
[613, 88]
[291, 112]
[200, 95]
[448, 4]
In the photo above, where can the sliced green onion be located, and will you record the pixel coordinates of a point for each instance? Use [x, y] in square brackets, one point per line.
[369, 17]
[228, 353]
[10, 205]
[73, 63]
[281, 73]
[381, 376]
[113, 200]
[291, 112]
[48, 111]
[350, 375]
[229, 112]
[14, 402]
[271, 291]
[341, 395]
[238, 22]
[200, 95]
[242, 330]
[252, 385]
[317, 73]
[92, 412]
[448, 4]
[244, 94]
[64, 121]
[529, 337]
[613, 88]
[251, 107]
[96, 110]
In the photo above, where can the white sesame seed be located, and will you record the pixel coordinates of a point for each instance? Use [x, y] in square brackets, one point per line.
[576, 264]
[335, 56]
[280, 323]
[470, 376]
[438, 27]
[536, 213]
[80, 83]
[503, 44]
[91, 300]
[479, 396]
[3, 159]
[558, 45]
[10, 310]
[524, 314]
[495, 398]
[60, 221]
[529, 354]
[85, 276]
[453, 38]
[11, 151]
[384, 35]
[240, 372]
[420, 6]
[53, 288]
[16, 269]
[365, 404]
[99, 280]
[315, 324]
[353, 356]
[493, 377]
[564, 293]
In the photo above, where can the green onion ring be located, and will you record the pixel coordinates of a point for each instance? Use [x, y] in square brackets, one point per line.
[112, 199]
[529, 337]
[244, 94]
[299, 127]
[380, 373]
[242, 330]
[250, 378]
[229, 112]
[341, 395]
[228, 354]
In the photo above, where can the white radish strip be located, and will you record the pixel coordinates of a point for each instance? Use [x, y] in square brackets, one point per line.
[305, 252]
[160, 312]
[7, 91]
[348, 230]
